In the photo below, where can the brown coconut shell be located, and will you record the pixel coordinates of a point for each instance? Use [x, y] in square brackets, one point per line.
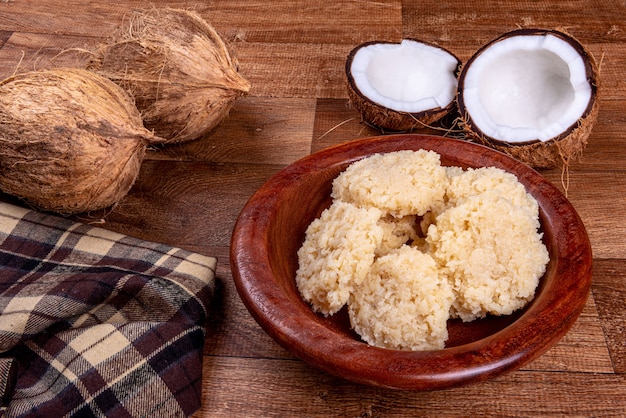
[70, 140]
[178, 69]
[390, 119]
[559, 151]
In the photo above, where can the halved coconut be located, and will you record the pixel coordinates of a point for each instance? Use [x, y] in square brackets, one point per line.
[531, 93]
[401, 86]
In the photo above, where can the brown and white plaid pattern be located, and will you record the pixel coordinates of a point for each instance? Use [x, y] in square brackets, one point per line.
[95, 323]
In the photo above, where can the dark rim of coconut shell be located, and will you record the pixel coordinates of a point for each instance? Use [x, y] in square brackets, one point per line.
[590, 71]
[416, 115]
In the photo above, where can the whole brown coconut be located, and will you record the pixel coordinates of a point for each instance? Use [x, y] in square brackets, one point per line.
[517, 101]
[401, 86]
[178, 69]
[70, 140]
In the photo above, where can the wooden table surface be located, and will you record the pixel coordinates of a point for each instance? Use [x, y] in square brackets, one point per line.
[189, 195]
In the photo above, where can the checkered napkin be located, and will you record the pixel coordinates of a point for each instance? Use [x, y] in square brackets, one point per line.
[94, 323]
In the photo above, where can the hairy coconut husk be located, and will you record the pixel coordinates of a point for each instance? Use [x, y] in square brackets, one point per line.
[178, 69]
[393, 120]
[70, 140]
[383, 117]
[559, 151]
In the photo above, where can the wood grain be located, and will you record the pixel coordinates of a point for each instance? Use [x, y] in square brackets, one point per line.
[187, 204]
[257, 130]
[29, 52]
[609, 289]
[303, 391]
[293, 53]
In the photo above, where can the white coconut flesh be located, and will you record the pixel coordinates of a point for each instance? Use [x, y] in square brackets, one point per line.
[408, 77]
[526, 88]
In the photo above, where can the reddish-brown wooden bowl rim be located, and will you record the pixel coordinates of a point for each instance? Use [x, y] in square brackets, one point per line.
[543, 323]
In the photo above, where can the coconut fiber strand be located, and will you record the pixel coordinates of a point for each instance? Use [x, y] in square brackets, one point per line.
[95, 323]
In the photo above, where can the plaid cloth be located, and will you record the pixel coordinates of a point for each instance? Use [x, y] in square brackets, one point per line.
[95, 323]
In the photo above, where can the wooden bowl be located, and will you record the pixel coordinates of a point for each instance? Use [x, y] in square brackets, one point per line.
[271, 228]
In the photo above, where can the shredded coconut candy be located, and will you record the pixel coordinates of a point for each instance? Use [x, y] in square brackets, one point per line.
[399, 183]
[337, 255]
[403, 303]
[408, 244]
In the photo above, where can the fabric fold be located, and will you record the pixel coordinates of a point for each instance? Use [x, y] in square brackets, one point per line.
[96, 323]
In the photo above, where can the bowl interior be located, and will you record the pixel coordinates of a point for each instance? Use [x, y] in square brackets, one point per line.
[264, 258]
